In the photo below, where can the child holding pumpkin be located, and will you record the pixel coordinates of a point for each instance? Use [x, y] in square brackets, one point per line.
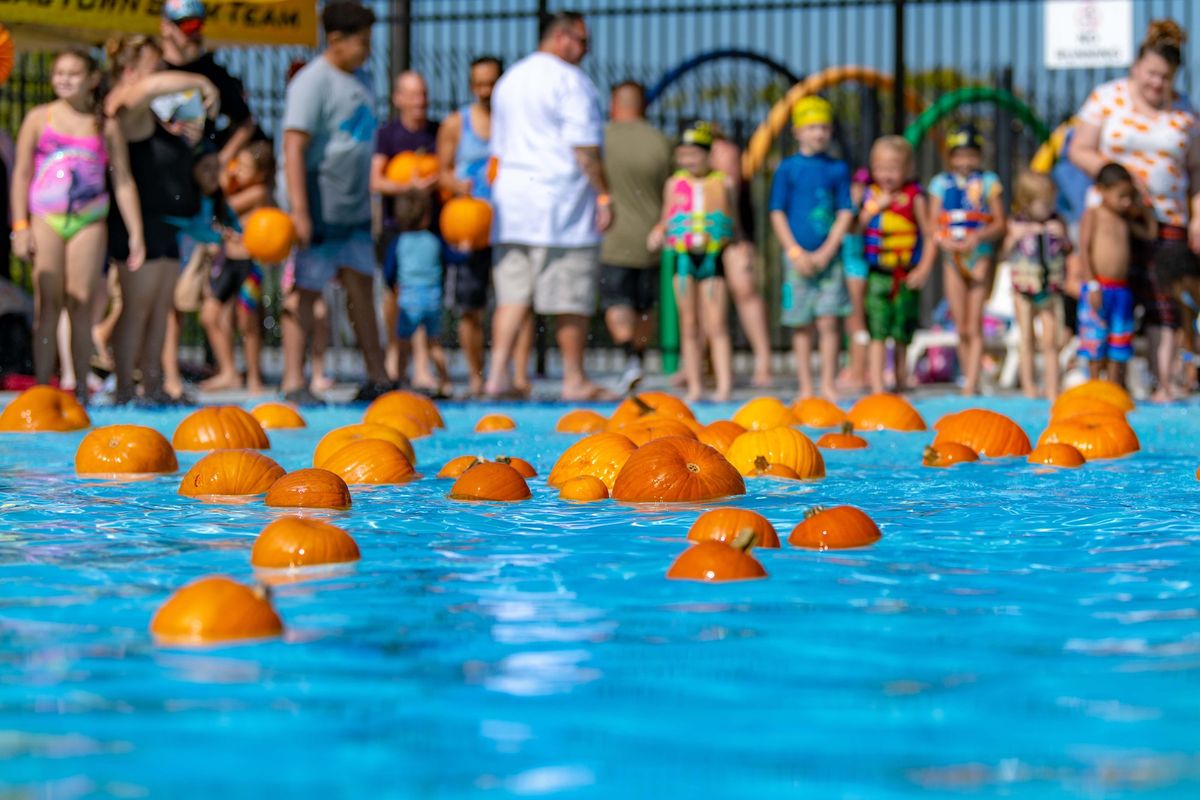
[415, 258]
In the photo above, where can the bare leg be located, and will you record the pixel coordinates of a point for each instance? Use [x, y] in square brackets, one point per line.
[876, 355]
[320, 344]
[1050, 325]
[827, 336]
[1095, 368]
[714, 302]
[250, 324]
[856, 326]
[66, 371]
[900, 368]
[972, 329]
[103, 332]
[690, 348]
[361, 309]
[1116, 372]
[802, 347]
[751, 308]
[522, 349]
[137, 293]
[49, 291]
[470, 338]
[422, 371]
[1024, 310]
[297, 326]
[160, 354]
[84, 258]
[956, 296]
[404, 348]
[172, 381]
[392, 357]
[216, 318]
[571, 335]
[1161, 342]
[437, 355]
[507, 322]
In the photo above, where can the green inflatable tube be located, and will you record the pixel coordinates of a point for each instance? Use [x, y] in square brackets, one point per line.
[668, 315]
[916, 131]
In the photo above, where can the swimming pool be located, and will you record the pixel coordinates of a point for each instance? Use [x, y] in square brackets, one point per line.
[1017, 631]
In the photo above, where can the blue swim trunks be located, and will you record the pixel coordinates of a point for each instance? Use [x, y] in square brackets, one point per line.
[417, 306]
[1107, 333]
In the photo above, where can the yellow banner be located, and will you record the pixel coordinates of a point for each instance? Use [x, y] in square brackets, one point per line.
[238, 22]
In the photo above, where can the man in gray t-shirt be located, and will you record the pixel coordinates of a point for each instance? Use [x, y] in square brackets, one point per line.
[328, 139]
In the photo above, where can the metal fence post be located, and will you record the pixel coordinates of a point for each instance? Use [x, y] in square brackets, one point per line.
[898, 69]
[401, 39]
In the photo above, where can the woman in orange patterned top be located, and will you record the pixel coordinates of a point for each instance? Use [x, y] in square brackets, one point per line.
[1141, 123]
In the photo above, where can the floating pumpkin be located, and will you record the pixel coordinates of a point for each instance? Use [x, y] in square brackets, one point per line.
[846, 439]
[643, 403]
[490, 481]
[277, 416]
[338, 438]
[220, 428]
[298, 542]
[309, 488]
[720, 434]
[652, 426]
[835, 529]
[523, 467]
[124, 450]
[1107, 391]
[1056, 455]
[764, 413]
[885, 412]
[371, 461]
[412, 414]
[817, 412]
[724, 525]
[786, 446]
[269, 235]
[601, 455]
[457, 466]
[230, 473]
[584, 489]
[986, 432]
[676, 470]
[1080, 404]
[43, 408]
[714, 561]
[215, 609]
[947, 454]
[410, 166]
[765, 469]
[466, 223]
[1096, 436]
[581, 421]
[494, 422]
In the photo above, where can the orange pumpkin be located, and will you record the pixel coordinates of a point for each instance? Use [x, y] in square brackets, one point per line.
[522, 466]
[652, 426]
[371, 461]
[1065, 408]
[720, 434]
[817, 412]
[1107, 391]
[309, 488]
[412, 414]
[230, 473]
[724, 525]
[338, 438]
[466, 223]
[1096, 436]
[581, 421]
[714, 561]
[676, 470]
[1056, 455]
[220, 428]
[490, 481]
[764, 413]
[947, 454]
[124, 450]
[43, 408]
[835, 529]
[494, 422]
[601, 455]
[765, 469]
[457, 466]
[409, 166]
[584, 489]
[643, 403]
[986, 432]
[269, 235]
[298, 542]
[885, 412]
[845, 440]
[786, 446]
[215, 609]
[273, 416]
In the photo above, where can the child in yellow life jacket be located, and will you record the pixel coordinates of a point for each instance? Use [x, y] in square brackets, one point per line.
[699, 219]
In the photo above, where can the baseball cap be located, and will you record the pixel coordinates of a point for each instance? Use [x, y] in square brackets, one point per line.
[812, 110]
[188, 15]
[964, 136]
[699, 134]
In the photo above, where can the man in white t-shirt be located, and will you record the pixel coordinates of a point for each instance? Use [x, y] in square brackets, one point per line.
[550, 201]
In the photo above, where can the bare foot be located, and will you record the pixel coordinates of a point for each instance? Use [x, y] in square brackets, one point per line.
[173, 389]
[255, 387]
[692, 397]
[720, 396]
[320, 384]
[585, 392]
[678, 380]
[830, 394]
[1162, 394]
[1031, 394]
[761, 380]
[221, 382]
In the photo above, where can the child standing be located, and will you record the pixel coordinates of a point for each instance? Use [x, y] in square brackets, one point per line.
[810, 213]
[697, 224]
[1105, 301]
[416, 260]
[969, 211]
[64, 152]
[895, 223]
[1036, 249]
[854, 264]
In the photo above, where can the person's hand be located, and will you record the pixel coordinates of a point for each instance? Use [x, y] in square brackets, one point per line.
[425, 184]
[916, 279]
[137, 253]
[190, 132]
[819, 259]
[212, 100]
[303, 225]
[882, 201]
[22, 245]
[1194, 235]
[654, 241]
[604, 217]
[1095, 297]
[800, 260]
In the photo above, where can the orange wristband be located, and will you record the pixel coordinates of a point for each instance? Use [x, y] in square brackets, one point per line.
[19, 225]
[603, 200]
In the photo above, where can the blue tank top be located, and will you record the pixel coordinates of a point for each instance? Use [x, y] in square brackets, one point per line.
[471, 157]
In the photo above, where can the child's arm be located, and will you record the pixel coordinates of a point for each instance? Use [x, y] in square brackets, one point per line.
[931, 229]
[139, 96]
[735, 218]
[994, 230]
[246, 200]
[799, 258]
[833, 242]
[126, 192]
[448, 136]
[916, 279]
[1144, 225]
[1087, 232]
[871, 206]
[295, 145]
[658, 234]
[22, 176]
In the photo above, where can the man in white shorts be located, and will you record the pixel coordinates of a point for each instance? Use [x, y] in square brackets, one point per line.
[550, 200]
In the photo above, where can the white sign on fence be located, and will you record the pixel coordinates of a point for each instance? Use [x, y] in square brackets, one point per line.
[1088, 33]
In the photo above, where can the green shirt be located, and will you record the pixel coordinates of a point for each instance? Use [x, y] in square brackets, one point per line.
[637, 163]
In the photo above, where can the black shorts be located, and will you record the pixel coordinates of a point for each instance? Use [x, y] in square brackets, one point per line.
[629, 287]
[1160, 309]
[466, 287]
[227, 279]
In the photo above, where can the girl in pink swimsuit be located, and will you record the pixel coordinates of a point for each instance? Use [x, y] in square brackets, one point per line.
[59, 205]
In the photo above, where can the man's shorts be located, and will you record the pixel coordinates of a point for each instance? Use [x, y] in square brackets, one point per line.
[467, 281]
[891, 316]
[237, 277]
[318, 264]
[417, 306]
[1159, 307]
[553, 280]
[1107, 333]
[629, 287]
[806, 297]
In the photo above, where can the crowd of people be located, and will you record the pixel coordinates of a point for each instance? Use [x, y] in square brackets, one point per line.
[130, 191]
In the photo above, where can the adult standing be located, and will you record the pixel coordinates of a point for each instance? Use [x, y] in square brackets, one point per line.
[329, 125]
[1140, 122]
[637, 163]
[462, 146]
[551, 201]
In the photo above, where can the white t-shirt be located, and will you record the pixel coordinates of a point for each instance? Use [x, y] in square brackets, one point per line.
[542, 109]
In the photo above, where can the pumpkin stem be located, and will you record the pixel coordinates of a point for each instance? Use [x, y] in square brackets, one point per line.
[262, 592]
[643, 407]
[744, 540]
[812, 512]
[847, 428]
[761, 464]
[930, 456]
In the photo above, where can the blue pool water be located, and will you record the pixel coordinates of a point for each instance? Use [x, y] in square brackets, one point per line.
[1017, 632]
